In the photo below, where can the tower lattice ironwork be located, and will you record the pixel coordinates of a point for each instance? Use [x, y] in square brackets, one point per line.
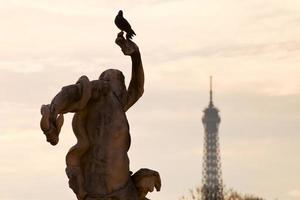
[212, 183]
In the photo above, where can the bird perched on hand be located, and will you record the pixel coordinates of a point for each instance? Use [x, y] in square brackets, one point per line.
[123, 25]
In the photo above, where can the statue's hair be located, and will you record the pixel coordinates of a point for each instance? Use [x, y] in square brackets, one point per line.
[114, 71]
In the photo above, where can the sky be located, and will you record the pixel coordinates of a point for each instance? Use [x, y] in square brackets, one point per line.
[250, 47]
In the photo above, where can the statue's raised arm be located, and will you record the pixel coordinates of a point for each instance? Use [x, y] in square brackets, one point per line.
[136, 85]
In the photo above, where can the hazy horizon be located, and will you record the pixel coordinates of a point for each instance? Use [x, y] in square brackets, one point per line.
[251, 48]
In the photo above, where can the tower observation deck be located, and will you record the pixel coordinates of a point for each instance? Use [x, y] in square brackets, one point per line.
[212, 184]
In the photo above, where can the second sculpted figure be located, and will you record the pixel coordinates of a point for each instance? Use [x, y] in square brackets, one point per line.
[98, 165]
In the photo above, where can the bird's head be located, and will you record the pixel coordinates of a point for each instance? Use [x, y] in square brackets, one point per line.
[120, 12]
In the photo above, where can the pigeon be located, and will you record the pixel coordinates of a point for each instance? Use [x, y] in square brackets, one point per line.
[123, 25]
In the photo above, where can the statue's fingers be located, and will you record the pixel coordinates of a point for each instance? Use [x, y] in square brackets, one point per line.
[121, 34]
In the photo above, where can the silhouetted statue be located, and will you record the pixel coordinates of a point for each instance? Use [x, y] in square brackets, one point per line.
[124, 25]
[98, 165]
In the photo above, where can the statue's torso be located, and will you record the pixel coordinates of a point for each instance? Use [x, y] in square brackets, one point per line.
[106, 164]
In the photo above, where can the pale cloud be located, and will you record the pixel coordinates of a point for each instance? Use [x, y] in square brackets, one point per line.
[294, 193]
[21, 66]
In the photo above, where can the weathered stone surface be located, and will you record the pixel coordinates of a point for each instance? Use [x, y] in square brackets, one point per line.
[98, 165]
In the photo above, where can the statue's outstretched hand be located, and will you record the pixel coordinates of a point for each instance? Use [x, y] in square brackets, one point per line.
[128, 47]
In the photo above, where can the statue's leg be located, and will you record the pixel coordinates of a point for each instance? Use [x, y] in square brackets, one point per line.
[76, 181]
[73, 158]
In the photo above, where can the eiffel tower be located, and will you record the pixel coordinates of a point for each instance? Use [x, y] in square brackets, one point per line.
[212, 184]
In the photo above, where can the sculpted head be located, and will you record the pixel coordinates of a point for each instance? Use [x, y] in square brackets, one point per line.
[50, 127]
[115, 79]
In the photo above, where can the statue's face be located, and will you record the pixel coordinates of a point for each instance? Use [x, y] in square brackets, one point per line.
[115, 79]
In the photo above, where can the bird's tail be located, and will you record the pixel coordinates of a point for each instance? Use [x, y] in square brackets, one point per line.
[130, 34]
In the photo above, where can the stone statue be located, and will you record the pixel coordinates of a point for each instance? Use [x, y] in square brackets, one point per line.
[98, 165]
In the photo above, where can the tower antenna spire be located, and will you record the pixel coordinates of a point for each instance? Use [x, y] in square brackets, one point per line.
[210, 93]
